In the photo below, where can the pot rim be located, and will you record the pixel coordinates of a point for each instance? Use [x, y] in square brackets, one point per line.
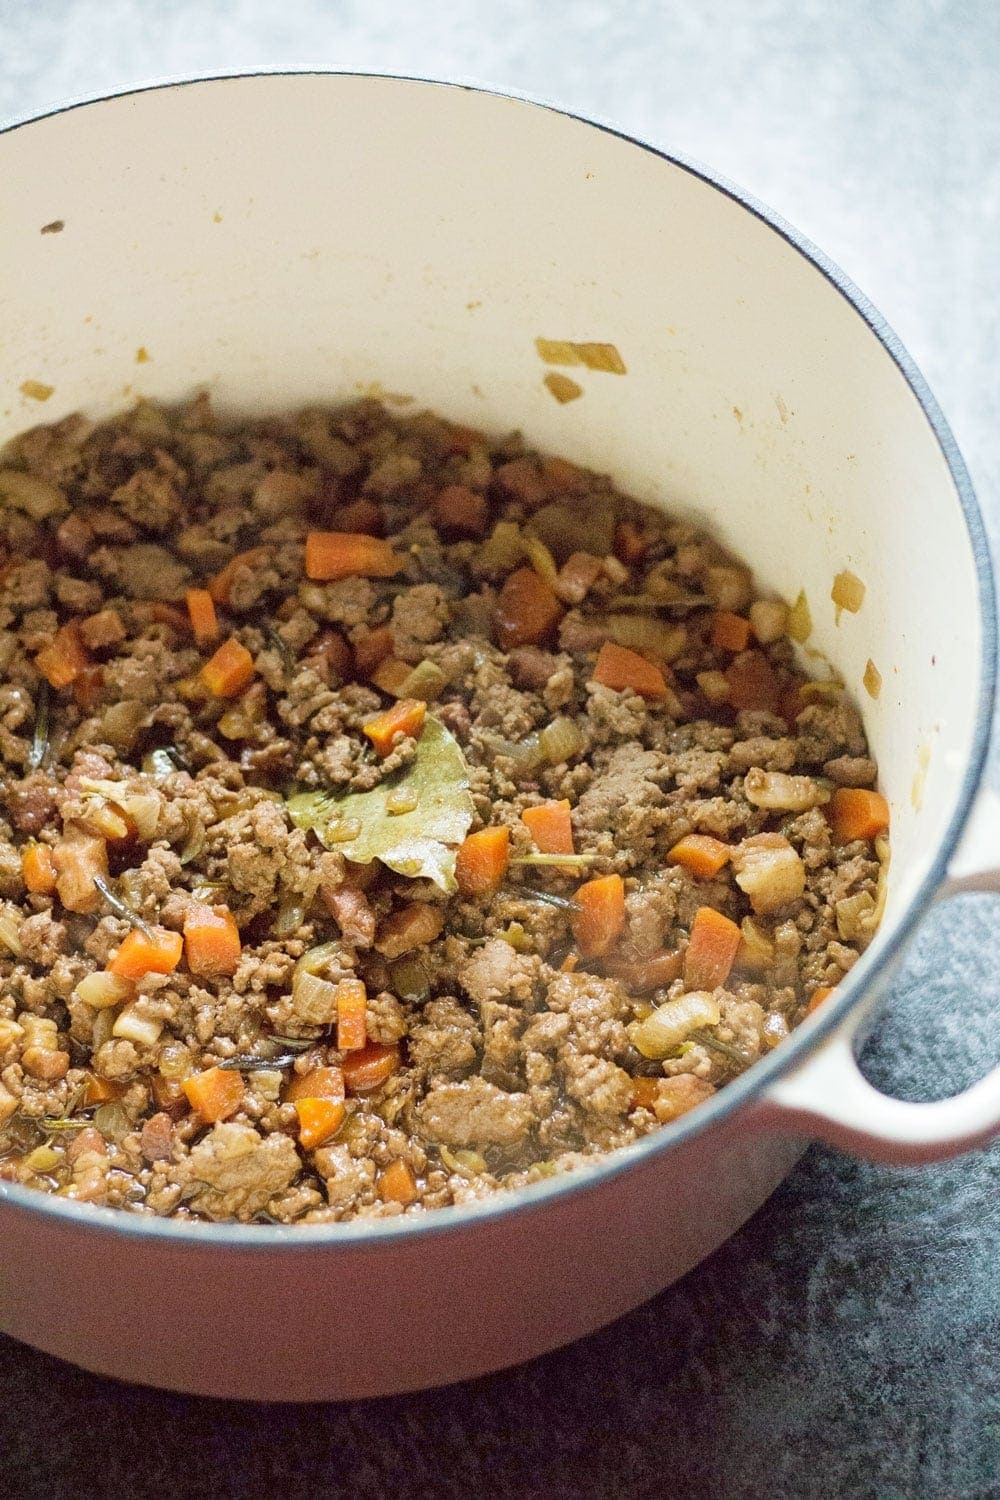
[305, 1238]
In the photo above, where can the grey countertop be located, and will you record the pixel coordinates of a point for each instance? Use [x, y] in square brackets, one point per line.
[845, 1343]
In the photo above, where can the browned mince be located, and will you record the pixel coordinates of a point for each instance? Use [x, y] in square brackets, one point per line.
[512, 1052]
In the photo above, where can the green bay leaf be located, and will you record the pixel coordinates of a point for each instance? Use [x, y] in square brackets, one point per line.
[420, 844]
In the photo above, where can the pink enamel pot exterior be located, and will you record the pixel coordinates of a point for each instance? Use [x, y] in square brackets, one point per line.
[285, 238]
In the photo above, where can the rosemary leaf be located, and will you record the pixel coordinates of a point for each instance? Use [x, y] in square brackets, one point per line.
[40, 738]
[121, 910]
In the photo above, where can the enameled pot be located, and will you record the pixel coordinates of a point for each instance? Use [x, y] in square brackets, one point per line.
[282, 239]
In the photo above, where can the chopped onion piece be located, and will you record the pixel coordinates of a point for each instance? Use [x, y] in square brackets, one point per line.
[102, 989]
[560, 740]
[133, 1026]
[671, 1023]
[776, 791]
[769, 620]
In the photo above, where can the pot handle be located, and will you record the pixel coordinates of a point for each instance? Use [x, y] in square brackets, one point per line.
[829, 1097]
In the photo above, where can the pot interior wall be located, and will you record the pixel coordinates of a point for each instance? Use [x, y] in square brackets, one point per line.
[291, 239]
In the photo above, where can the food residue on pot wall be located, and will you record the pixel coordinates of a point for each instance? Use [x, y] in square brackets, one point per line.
[594, 356]
[562, 387]
[55, 227]
[848, 592]
[920, 776]
[872, 679]
[36, 390]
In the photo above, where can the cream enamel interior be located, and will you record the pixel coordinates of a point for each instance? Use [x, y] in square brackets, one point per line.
[262, 237]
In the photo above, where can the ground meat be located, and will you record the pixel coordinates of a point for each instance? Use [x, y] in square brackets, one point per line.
[446, 1041]
[453, 1011]
[234, 1172]
[475, 1113]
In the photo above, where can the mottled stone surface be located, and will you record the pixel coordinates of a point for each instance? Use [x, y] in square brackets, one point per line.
[845, 1343]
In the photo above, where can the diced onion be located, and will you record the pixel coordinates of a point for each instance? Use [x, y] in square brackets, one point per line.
[102, 989]
[769, 620]
[426, 682]
[43, 1159]
[856, 917]
[540, 558]
[112, 1120]
[776, 791]
[316, 959]
[671, 1023]
[560, 740]
[289, 917]
[314, 999]
[646, 633]
[756, 950]
[769, 871]
[714, 686]
[10, 928]
[727, 587]
[133, 1026]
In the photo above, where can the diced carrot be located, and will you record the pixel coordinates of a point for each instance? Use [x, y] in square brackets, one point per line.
[349, 554]
[371, 649]
[396, 1184]
[753, 683]
[526, 610]
[602, 916]
[645, 1092]
[700, 854]
[570, 964]
[626, 671]
[317, 1083]
[88, 687]
[413, 926]
[390, 675]
[522, 478]
[711, 949]
[481, 862]
[645, 974]
[550, 826]
[856, 813]
[138, 955]
[214, 1094]
[220, 586]
[100, 1090]
[204, 621]
[64, 658]
[818, 996]
[319, 1120]
[459, 509]
[229, 671]
[405, 718]
[211, 941]
[352, 1003]
[563, 477]
[370, 1068]
[730, 632]
[38, 869]
[362, 516]
[630, 542]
